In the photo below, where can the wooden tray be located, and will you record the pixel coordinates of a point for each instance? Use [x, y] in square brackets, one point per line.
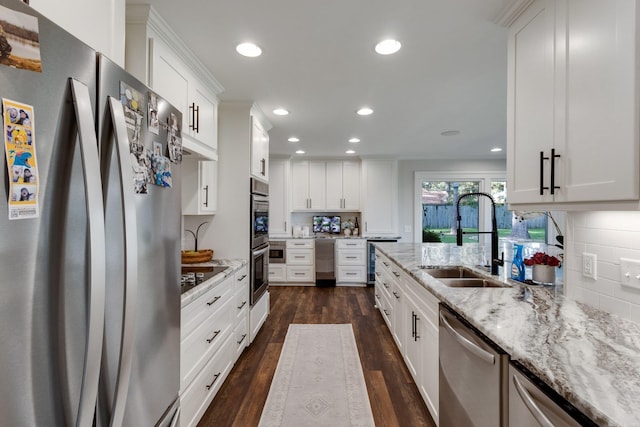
[193, 257]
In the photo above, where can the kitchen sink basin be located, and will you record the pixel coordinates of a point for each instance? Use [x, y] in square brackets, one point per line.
[475, 282]
[452, 273]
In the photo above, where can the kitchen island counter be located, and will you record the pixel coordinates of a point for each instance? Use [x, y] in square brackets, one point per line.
[589, 357]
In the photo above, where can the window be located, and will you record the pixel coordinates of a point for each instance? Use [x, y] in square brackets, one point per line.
[436, 196]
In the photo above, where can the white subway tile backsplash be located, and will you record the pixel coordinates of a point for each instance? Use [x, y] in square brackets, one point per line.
[611, 236]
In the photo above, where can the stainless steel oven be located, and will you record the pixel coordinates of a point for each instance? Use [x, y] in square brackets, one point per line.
[259, 272]
[259, 267]
[277, 252]
[259, 213]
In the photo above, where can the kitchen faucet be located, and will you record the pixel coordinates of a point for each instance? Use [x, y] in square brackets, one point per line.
[495, 261]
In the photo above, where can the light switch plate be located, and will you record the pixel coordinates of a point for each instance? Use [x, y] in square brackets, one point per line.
[630, 272]
[589, 263]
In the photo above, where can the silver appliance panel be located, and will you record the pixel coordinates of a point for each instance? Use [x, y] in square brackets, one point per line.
[472, 376]
[44, 293]
[259, 272]
[277, 252]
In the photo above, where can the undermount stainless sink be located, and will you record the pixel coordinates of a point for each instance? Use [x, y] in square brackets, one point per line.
[472, 283]
[452, 273]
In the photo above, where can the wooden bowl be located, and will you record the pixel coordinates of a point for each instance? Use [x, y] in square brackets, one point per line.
[193, 257]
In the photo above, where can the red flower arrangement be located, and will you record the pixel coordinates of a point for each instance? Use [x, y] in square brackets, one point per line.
[542, 258]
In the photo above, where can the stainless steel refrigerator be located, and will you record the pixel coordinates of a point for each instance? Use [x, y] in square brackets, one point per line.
[89, 290]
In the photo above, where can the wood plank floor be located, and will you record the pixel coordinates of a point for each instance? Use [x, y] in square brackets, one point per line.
[395, 400]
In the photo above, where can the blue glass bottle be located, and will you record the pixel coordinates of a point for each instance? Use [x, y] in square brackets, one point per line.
[517, 266]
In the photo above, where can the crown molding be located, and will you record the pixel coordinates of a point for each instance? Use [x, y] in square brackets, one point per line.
[145, 14]
[510, 12]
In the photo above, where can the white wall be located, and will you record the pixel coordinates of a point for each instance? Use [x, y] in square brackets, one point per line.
[406, 173]
[98, 23]
[611, 236]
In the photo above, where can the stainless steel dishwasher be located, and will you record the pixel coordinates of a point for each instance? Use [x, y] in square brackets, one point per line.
[473, 376]
[325, 262]
[533, 404]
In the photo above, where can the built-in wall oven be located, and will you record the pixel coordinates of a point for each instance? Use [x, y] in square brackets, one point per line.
[259, 266]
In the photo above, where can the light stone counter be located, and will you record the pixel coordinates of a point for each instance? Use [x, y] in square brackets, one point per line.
[193, 294]
[586, 355]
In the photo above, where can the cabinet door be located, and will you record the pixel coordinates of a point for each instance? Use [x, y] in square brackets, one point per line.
[600, 159]
[317, 185]
[169, 78]
[530, 104]
[333, 184]
[259, 151]
[351, 185]
[278, 198]
[199, 187]
[204, 121]
[380, 197]
[299, 186]
[412, 349]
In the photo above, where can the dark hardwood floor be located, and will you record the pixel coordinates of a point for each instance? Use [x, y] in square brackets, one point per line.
[395, 400]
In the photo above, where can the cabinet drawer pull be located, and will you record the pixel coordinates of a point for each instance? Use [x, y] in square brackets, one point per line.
[385, 285]
[242, 278]
[395, 294]
[396, 274]
[215, 334]
[215, 378]
[385, 312]
[378, 273]
[352, 257]
[242, 305]
[352, 274]
[299, 274]
[300, 256]
[385, 263]
[242, 339]
[213, 301]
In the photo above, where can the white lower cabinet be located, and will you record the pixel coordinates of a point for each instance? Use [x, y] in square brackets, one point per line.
[277, 273]
[411, 313]
[301, 261]
[351, 261]
[214, 332]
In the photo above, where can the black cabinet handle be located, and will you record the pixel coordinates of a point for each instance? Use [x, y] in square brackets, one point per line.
[206, 196]
[416, 336]
[242, 278]
[214, 300]
[395, 294]
[195, 117]
[242, 339]
[215, 378]
[554, 156]
[242, 305]
[197, 128]
[542, 159]
[215, 334]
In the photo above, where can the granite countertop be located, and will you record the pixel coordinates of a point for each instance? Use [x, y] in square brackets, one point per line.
[193, 294]
[588, 356]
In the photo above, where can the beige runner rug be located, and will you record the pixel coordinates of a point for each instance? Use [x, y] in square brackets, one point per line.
[318, 380]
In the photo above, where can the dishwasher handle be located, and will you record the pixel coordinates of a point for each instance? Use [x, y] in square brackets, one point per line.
[464, 342]
[540, 417]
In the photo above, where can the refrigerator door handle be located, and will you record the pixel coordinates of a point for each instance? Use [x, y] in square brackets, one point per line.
[97, 257]
[131, 256]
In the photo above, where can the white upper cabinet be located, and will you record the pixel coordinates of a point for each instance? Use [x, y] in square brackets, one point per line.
[156, 56]
[259, 150]
[332, 185]
[572, 128]
[343, 185]
[199, 187]
[380, 197]
[308, 185]
[279, 223]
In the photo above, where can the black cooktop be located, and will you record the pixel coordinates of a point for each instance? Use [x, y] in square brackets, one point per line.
[194, 276]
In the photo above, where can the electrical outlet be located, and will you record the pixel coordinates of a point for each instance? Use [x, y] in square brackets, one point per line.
[630, 272]
[589, 262]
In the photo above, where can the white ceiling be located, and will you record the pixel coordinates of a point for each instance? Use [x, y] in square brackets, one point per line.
[318, 62]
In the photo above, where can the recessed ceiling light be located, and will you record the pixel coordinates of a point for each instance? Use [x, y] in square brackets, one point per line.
[280, 112]
[299, 151]
[354, 140]
[249, 49]
[364, 111]
[496, 149]
[350, 152]
[293, 139]
[387, 47]
[450, 133]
